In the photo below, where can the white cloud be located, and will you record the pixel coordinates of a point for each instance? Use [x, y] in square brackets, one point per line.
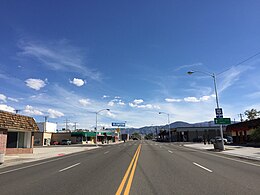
[84, 102]
[117, 97]
[138, 101]
[229, 77]
[138, 104]
[111, 103]
[110, 114]
[36, 84]
[58, 56]
[31, 111]
[6, 108]
[105, 96]
[116, 101]
[121, 103]
[78, 82]
[55, 113]
[172, 100]
[191, 99]
[2, 97]
[13, 99]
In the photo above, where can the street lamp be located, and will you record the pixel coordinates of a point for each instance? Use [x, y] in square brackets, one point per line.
[96, 121]
[217, 101]
[168, 124]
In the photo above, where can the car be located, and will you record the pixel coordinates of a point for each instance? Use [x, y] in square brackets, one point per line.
[218, 138]
[55, 143]
[65, 142]
[229, 139]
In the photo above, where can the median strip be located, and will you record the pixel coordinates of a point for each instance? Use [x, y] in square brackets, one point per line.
[202, 167]
[131, 168]
[69, 167]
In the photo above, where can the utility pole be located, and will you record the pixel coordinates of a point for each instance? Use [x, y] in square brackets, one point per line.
[17, 111]
[45, 121]
[75, 126]
[66, 124]
[241, 117]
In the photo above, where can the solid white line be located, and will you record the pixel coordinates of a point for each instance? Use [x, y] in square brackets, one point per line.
[41, 163]
[106, 152]
[257, 165]
[203, 167]
[69, 167]
[170, 151]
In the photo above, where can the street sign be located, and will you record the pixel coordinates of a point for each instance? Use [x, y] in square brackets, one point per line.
[222, 121]
[219, 113]
[118, 124]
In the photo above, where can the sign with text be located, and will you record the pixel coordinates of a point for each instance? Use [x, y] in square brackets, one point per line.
[222, 121]
[118, 124]
[219, 113]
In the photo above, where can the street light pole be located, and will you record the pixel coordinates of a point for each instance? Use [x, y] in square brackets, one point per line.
[217, 100]
[168, 115]
[97, 120]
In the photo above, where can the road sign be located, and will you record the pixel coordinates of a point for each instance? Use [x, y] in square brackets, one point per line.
[219, 113]
[222, 121]
[118, 124]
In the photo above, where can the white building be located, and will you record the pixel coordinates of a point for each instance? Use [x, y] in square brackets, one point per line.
[47, 127]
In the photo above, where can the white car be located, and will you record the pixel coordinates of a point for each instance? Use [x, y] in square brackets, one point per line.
[218, 138]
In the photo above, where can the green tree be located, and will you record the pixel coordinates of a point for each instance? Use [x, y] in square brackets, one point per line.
[252, 114]
[255, 136]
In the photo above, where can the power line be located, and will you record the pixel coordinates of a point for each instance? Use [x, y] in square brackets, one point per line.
[243, 61]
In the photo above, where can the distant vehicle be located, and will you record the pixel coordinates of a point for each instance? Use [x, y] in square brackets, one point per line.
[55, 143]
[229, 139]
[65, 142]
[218, 138]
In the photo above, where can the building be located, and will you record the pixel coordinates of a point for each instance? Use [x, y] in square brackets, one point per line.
[191, 134]
[44, 136]
[241, 131]
[16, 133]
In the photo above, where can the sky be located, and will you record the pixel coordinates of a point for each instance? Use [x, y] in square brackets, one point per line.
[69, 60]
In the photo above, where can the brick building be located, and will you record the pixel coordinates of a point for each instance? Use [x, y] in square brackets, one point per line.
[16, 133]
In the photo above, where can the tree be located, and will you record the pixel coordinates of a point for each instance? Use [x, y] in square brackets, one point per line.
[255, 136]
[252, 114]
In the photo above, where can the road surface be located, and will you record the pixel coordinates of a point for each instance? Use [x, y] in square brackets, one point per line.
[134, 167]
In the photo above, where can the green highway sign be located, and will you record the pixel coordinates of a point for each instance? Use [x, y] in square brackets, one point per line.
[222, 121]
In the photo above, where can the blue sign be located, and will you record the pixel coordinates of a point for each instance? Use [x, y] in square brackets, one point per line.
[118, 124]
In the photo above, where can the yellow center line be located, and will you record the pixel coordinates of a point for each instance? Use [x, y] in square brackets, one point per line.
[127, 189]
[120, 188]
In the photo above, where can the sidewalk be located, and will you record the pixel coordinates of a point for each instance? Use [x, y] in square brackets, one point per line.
[238, 151]
[45, 152]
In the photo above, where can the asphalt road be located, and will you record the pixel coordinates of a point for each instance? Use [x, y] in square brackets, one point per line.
[137, 167]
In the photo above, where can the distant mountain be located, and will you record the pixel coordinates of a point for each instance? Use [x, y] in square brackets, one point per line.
[152, 129]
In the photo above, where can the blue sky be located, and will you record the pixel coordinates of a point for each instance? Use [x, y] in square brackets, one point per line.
[69, 59]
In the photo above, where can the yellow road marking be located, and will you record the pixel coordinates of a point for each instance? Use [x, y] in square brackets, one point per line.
[127, 189]
[120, 188]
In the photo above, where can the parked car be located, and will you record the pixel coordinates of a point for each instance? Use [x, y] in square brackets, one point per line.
[229, 139]
[55, 143]
[218, 138]
[65, 142]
